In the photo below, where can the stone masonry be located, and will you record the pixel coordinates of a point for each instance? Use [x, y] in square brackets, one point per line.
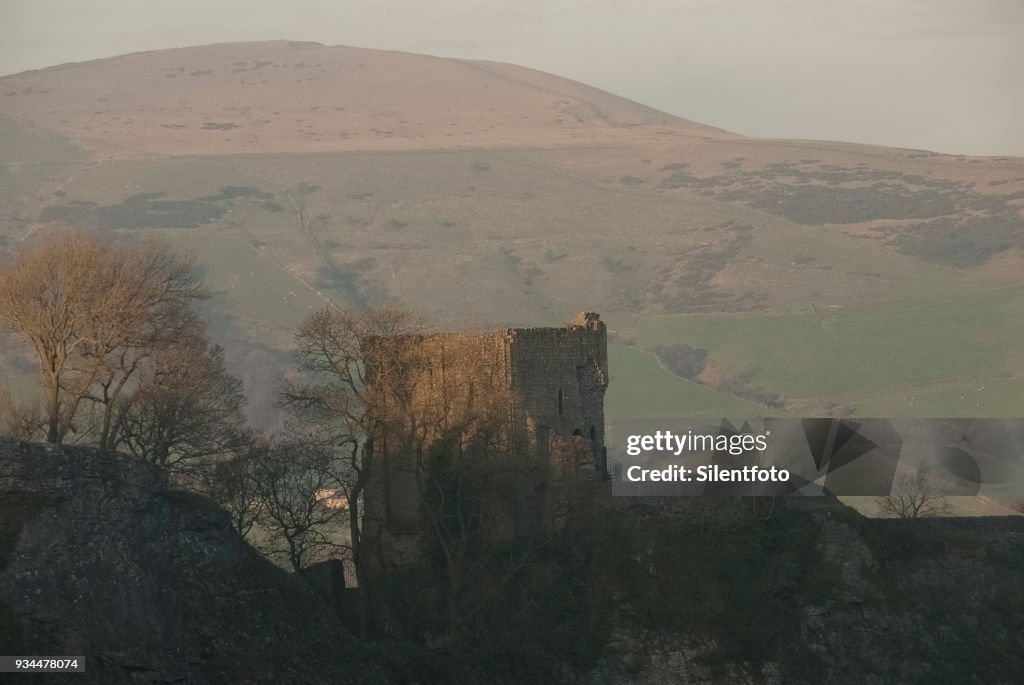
[534, 395]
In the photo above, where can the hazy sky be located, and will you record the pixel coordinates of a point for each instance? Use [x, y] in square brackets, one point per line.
[945, 75]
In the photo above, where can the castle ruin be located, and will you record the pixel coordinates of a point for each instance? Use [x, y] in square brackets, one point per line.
[523, 406]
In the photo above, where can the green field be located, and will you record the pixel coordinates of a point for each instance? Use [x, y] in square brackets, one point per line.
[961, 357]
[639, 388]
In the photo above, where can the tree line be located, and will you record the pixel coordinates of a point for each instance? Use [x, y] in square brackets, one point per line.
[124, 361]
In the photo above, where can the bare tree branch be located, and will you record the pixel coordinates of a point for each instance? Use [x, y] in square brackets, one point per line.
[914, 496]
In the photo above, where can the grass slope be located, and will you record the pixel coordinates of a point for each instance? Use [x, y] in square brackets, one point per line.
[887, 281]
[961, 357]
[640, 388]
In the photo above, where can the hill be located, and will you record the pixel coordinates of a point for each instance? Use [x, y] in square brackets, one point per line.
[240, 98]
[819, 277]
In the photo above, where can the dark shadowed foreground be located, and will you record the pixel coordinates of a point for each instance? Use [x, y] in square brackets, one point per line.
[98, 557]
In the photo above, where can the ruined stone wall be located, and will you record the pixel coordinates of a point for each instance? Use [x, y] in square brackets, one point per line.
[530, 402]
[459, 392]
[559, 377]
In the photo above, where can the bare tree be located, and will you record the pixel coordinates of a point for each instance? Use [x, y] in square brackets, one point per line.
[232, 483]
[378, 387]
[914, 496]
[22, 419]
[146, 311]
[186, 411]
[90, 310]
[297, 485]
[335, 351]
[470, 493]
[49, 295]
[446, 415]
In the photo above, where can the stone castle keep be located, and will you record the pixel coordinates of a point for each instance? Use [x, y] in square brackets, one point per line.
[525, 406]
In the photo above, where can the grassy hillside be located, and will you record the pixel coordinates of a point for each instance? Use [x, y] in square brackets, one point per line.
[639, 387]
[960, 357]
[836, 277]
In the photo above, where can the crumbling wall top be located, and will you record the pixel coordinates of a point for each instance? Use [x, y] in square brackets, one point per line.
[591, 320]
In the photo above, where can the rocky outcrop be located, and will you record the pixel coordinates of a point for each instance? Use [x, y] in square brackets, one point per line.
[874, 601]
[99, 557]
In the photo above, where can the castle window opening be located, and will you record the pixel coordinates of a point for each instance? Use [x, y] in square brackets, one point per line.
[561, 402]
